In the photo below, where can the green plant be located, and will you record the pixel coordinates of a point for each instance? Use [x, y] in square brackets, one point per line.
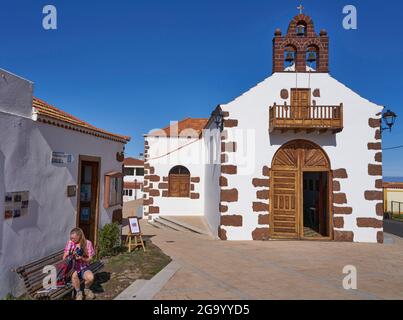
[12, 297]
[109, 240]
[9, 296]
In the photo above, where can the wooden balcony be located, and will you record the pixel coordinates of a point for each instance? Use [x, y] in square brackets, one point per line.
[310, 119]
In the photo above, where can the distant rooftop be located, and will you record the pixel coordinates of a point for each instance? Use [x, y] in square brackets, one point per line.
[393, 185]
[186, 127]
[133, 162]
[54, 116]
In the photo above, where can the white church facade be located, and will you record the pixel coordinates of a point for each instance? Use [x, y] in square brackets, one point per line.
[299, 156]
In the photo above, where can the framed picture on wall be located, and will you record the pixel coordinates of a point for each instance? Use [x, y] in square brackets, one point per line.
[17, 213]
[16, 204]
[8, 197]
[8, 214]
[134, 225]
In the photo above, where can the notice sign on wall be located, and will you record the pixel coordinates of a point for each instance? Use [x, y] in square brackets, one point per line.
[62, 158]
[16, 204]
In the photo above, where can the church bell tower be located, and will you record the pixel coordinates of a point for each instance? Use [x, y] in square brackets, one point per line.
[301, 49]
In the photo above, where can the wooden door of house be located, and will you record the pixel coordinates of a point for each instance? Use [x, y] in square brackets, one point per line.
[300, 102]
[87, 208]
[285, 219]
[286, 186]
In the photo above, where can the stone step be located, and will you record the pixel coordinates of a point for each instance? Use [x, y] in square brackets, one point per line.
[153, 224]
[184, 225]
[167, 224]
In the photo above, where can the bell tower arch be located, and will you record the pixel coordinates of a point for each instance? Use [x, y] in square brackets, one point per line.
[311, 50]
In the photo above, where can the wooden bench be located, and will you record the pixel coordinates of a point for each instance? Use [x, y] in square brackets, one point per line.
[32, 275]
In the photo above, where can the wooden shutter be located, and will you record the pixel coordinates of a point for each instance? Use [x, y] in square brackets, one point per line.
[179, 185]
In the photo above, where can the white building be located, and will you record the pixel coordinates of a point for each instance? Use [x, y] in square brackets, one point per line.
[298, 156]
[133, 179]
[56, 172]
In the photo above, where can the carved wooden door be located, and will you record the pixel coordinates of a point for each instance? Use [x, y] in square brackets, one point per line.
[285, 204]
[286, 192]
[284, 213]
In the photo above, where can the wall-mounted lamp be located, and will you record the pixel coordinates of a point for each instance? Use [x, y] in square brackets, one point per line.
[218, 119]
[389, 117]
[120, 156]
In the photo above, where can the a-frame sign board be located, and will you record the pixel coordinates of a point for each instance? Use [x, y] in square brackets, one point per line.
[134, 237]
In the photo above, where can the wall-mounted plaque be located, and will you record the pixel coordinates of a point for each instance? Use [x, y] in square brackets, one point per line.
[61, 158]
[71, 191]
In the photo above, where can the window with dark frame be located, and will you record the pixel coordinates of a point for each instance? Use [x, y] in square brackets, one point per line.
[128, 171]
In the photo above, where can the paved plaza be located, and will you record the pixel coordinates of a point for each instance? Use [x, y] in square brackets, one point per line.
[211, 269]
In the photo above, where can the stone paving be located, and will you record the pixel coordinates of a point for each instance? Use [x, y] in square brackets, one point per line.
[214, 269]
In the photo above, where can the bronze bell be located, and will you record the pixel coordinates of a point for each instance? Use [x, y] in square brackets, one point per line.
[289, 57]
[300, 30]
[311, 57]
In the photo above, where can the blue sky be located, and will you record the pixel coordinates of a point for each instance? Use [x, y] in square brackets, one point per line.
[130, 66]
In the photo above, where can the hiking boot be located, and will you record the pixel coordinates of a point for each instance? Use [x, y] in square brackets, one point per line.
[89, 295]
[79, 295]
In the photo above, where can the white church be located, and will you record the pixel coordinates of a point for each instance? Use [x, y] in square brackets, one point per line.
[296, 157]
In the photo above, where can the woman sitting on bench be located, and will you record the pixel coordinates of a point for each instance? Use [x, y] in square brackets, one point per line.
[83, 252]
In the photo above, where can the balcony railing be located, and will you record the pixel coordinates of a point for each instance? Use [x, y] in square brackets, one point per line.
[307, 118]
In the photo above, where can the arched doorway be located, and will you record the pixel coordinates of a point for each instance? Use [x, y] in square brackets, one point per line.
[300, 192]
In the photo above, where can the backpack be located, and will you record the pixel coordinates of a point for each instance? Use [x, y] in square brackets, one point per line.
[65, 270]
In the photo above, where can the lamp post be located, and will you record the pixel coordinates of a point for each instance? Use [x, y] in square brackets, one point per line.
[135, 189]
[389, 117]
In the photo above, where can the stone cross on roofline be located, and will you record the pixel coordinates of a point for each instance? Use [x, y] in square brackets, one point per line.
[300, 8]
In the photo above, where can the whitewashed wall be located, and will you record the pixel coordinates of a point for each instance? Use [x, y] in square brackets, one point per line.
[15, 94]
[212, 174]
[25, 153]
[256, 147]
[166, 153]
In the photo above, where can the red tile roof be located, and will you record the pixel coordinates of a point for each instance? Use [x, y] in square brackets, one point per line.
[50, 114]
[133, 162]
[193, 126]
[393, 185]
